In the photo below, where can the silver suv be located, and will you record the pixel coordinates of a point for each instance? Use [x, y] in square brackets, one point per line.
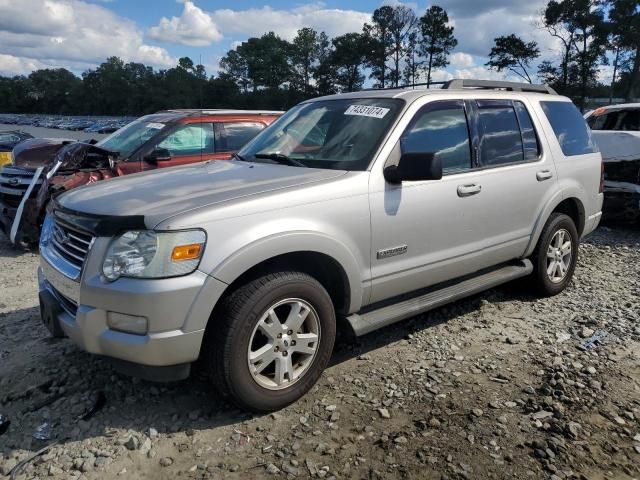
[366, 207]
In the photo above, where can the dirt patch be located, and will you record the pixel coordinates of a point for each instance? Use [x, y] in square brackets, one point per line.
[497, 386]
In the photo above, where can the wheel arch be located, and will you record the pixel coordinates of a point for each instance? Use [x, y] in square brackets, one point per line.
[570, 205]
[323, 257]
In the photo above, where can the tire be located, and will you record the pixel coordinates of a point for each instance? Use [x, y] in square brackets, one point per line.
[242, 328]
[549, 276]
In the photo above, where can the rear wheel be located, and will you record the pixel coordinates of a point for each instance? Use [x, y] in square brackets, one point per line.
[270, 340]
[556, 255]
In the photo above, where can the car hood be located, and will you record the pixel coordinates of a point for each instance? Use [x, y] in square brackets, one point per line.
[38, 152]
[164, 193]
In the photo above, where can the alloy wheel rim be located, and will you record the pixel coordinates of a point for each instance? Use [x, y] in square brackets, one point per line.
[283, 343]
[559, 256]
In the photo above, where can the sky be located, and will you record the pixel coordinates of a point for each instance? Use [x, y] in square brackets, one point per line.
[80, 34]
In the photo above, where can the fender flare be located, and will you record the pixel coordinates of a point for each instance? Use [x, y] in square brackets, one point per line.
[266, 248]
[547, 210]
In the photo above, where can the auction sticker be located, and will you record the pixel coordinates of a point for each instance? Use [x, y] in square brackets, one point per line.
[155, 125]
[366, 111]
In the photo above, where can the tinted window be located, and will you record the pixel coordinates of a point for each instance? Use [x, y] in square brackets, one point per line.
[529, 138]
[441, 128]
[500, 139]
[570, 128]
[191, 139]
[625, 120]
[233, 136]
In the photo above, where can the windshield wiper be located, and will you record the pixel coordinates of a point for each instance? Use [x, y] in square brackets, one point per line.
[280, 158]
[239, 157]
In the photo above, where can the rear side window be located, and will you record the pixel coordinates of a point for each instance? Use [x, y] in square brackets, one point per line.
[501, 142]
[570, 128]
[234, 135]
[529, 137]
[623, 120]
[441, 127]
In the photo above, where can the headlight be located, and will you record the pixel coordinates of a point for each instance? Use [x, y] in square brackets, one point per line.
[149, 254]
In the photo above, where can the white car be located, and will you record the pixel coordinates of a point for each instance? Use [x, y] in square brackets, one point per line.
[616, 130]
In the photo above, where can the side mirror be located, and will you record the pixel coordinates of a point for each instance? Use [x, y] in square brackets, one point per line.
[158, 155]
[414, 167]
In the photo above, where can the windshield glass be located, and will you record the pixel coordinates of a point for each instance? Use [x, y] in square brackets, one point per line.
[126, 140]
[334, 134]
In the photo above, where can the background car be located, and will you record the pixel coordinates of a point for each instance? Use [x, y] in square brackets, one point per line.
[616, 130]
[8, 140]
[164, 139]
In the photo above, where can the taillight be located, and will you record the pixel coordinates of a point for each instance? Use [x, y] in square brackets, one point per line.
[601, 189]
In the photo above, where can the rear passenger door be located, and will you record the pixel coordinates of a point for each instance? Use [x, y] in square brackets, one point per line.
[232, 136]
[516, 174]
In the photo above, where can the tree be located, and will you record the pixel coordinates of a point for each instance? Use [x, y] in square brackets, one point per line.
[53, 90]
[377, 38]
[267, 59]
[624, 20]
[304, 55]
[585, 20]
[323, 71]
[514, 54]
[412, 60]
[436, 41]
[565, 33]
[235, 67]
[348, 59]
[402, 26]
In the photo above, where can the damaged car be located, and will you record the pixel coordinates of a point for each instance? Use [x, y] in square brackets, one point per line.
[43, 168]
[616, 130]
[8, 140]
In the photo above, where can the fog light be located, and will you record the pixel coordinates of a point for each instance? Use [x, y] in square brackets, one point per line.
[127, 323]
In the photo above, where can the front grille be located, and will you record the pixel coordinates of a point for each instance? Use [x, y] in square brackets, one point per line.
[70, 244]
[14, 182]
[67, 304]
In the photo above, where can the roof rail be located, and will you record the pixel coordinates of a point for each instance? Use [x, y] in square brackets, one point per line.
[495, 84]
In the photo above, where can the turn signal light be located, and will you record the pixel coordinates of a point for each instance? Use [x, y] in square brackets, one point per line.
[186, 252]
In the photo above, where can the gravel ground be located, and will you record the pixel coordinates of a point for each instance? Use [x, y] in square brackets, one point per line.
[40, 132]
[497, 386]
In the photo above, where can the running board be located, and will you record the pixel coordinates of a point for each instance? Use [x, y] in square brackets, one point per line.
[375, 319]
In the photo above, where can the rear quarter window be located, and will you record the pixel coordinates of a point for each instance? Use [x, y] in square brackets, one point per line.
[569, 127]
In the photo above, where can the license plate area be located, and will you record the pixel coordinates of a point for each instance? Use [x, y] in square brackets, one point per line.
[63, 284]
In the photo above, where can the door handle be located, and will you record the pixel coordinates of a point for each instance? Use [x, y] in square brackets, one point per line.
[468, 190]
[543, 175]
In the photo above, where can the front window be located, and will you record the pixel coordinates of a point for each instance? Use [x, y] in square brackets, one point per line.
[333, 134]
[193, 139]
[131, 137]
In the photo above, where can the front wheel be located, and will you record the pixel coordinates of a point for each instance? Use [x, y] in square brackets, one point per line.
[270, 340]
[556, 255]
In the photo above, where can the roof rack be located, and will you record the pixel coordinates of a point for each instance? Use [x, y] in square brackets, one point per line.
[459, 83]
[498, 85]
[224, 111]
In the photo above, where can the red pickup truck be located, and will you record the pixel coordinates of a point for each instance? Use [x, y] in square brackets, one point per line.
[43, 168]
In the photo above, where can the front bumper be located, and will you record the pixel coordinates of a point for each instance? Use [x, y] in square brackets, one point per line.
[177, 310]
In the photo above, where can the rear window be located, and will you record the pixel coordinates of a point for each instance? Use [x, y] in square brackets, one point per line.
[570, 128]
[621, 120]
[234, 135]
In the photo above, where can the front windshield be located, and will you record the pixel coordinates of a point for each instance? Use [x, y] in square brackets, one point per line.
[334, 134]
[130, 137]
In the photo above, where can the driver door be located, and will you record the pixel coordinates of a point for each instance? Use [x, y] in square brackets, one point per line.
[427, 232]
[189, 143]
